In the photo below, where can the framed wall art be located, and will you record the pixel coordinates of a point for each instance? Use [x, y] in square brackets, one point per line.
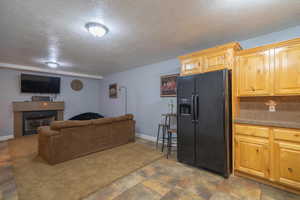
[168, 85]
[113, 91]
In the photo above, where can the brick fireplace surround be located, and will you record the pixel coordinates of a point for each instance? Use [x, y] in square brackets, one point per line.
[29, 106]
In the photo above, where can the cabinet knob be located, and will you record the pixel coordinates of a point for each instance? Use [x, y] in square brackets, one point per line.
[296, 135]
[257, 150]
[290, 170]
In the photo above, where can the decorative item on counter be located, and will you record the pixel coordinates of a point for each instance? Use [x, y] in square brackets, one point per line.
[40, 98]
[76, 85]
[113, 91]
[272, 105]
[168, 85]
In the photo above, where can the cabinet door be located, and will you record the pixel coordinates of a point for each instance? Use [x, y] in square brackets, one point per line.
[287, 70]
[254, 74]
[252, 156]
[191, 66]
[215, 61]
[287, 163]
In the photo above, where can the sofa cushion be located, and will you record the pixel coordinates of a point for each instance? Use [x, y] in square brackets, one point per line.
[112, 119]
[57, 125]
[123, 118]
[102, 121]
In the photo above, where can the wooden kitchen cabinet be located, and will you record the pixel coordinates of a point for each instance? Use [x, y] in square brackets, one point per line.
[269, 154]
[191, 65]
[212, 59]
[215, 61]
[287, 70]
[252, 156]
[271, 70]
[287, 162]
[254, 74]
[287, 157]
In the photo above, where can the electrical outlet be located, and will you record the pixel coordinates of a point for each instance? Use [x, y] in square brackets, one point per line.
[272, 109]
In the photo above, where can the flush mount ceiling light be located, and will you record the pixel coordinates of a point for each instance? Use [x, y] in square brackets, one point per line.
[52, 64]
[96, 29]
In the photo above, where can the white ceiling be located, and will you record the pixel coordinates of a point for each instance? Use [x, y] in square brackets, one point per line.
[141, 31]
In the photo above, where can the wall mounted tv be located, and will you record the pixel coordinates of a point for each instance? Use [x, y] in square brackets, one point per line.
[40, 84]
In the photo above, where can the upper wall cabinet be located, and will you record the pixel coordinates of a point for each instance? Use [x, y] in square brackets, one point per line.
[191, 65]
[287, 70]
[269, 70]
[254, 73]
[211, 59]
[215, 61]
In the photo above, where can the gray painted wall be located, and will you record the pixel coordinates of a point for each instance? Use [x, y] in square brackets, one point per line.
[86, 100]
[144, 99]
[143, 86]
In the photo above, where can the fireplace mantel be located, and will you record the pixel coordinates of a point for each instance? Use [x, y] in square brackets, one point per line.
[27, 106]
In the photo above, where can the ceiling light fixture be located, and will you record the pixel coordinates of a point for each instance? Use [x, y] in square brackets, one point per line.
[52, 64]
[96, 29]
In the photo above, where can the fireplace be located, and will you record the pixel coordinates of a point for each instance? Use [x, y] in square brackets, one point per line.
[29, 115]
[34, 119]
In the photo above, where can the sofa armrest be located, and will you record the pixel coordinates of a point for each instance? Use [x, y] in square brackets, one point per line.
[46, 131]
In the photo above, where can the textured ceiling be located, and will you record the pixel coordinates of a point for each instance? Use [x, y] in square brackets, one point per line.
[141, 31]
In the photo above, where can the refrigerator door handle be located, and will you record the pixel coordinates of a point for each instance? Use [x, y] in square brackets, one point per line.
[197, 108]
[193, 107]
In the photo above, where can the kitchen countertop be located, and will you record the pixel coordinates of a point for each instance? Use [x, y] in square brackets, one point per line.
[280, 124]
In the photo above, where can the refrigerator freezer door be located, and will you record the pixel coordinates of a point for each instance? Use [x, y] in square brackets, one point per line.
[185, 117]
[211, 131]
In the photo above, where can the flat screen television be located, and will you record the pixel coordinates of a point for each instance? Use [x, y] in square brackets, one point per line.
[40, 84]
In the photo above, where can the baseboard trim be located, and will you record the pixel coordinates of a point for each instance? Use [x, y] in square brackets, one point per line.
[6, 137]
[146, 137]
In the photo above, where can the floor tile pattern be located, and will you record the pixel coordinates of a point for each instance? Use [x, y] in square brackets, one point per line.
[164, 179]
[170, 180]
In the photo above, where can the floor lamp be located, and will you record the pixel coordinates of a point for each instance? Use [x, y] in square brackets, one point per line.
[125, 89]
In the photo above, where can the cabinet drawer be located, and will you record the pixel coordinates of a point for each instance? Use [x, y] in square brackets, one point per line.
[256, 131]
[287, 134]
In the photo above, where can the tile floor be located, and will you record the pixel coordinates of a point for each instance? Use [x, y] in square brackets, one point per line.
[164, 180]
[170, 180]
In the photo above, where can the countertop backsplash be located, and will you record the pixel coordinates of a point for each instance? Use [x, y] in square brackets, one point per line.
[287, 109]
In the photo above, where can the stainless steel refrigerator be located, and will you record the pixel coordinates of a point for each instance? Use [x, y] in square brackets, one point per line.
[204, 121]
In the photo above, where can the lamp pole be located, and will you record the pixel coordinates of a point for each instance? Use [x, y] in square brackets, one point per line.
[125, 88]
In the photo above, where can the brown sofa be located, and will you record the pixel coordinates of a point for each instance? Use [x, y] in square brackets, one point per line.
[66, 140]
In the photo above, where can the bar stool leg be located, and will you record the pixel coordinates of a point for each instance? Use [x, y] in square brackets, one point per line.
[169, 144]
[157, 137]
[163, 139]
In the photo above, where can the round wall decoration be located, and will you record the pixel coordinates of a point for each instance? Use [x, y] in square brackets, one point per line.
[76, 85]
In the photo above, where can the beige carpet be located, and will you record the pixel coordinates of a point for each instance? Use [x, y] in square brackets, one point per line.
[72, 180]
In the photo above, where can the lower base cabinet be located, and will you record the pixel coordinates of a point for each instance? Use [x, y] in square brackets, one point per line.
[287, 157]
[275, 158]
[252, 156]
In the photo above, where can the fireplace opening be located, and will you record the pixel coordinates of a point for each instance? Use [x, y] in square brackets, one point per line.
[33, 120]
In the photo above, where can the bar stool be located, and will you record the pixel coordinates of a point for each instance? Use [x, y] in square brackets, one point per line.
[170, 131]
[161, 126]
